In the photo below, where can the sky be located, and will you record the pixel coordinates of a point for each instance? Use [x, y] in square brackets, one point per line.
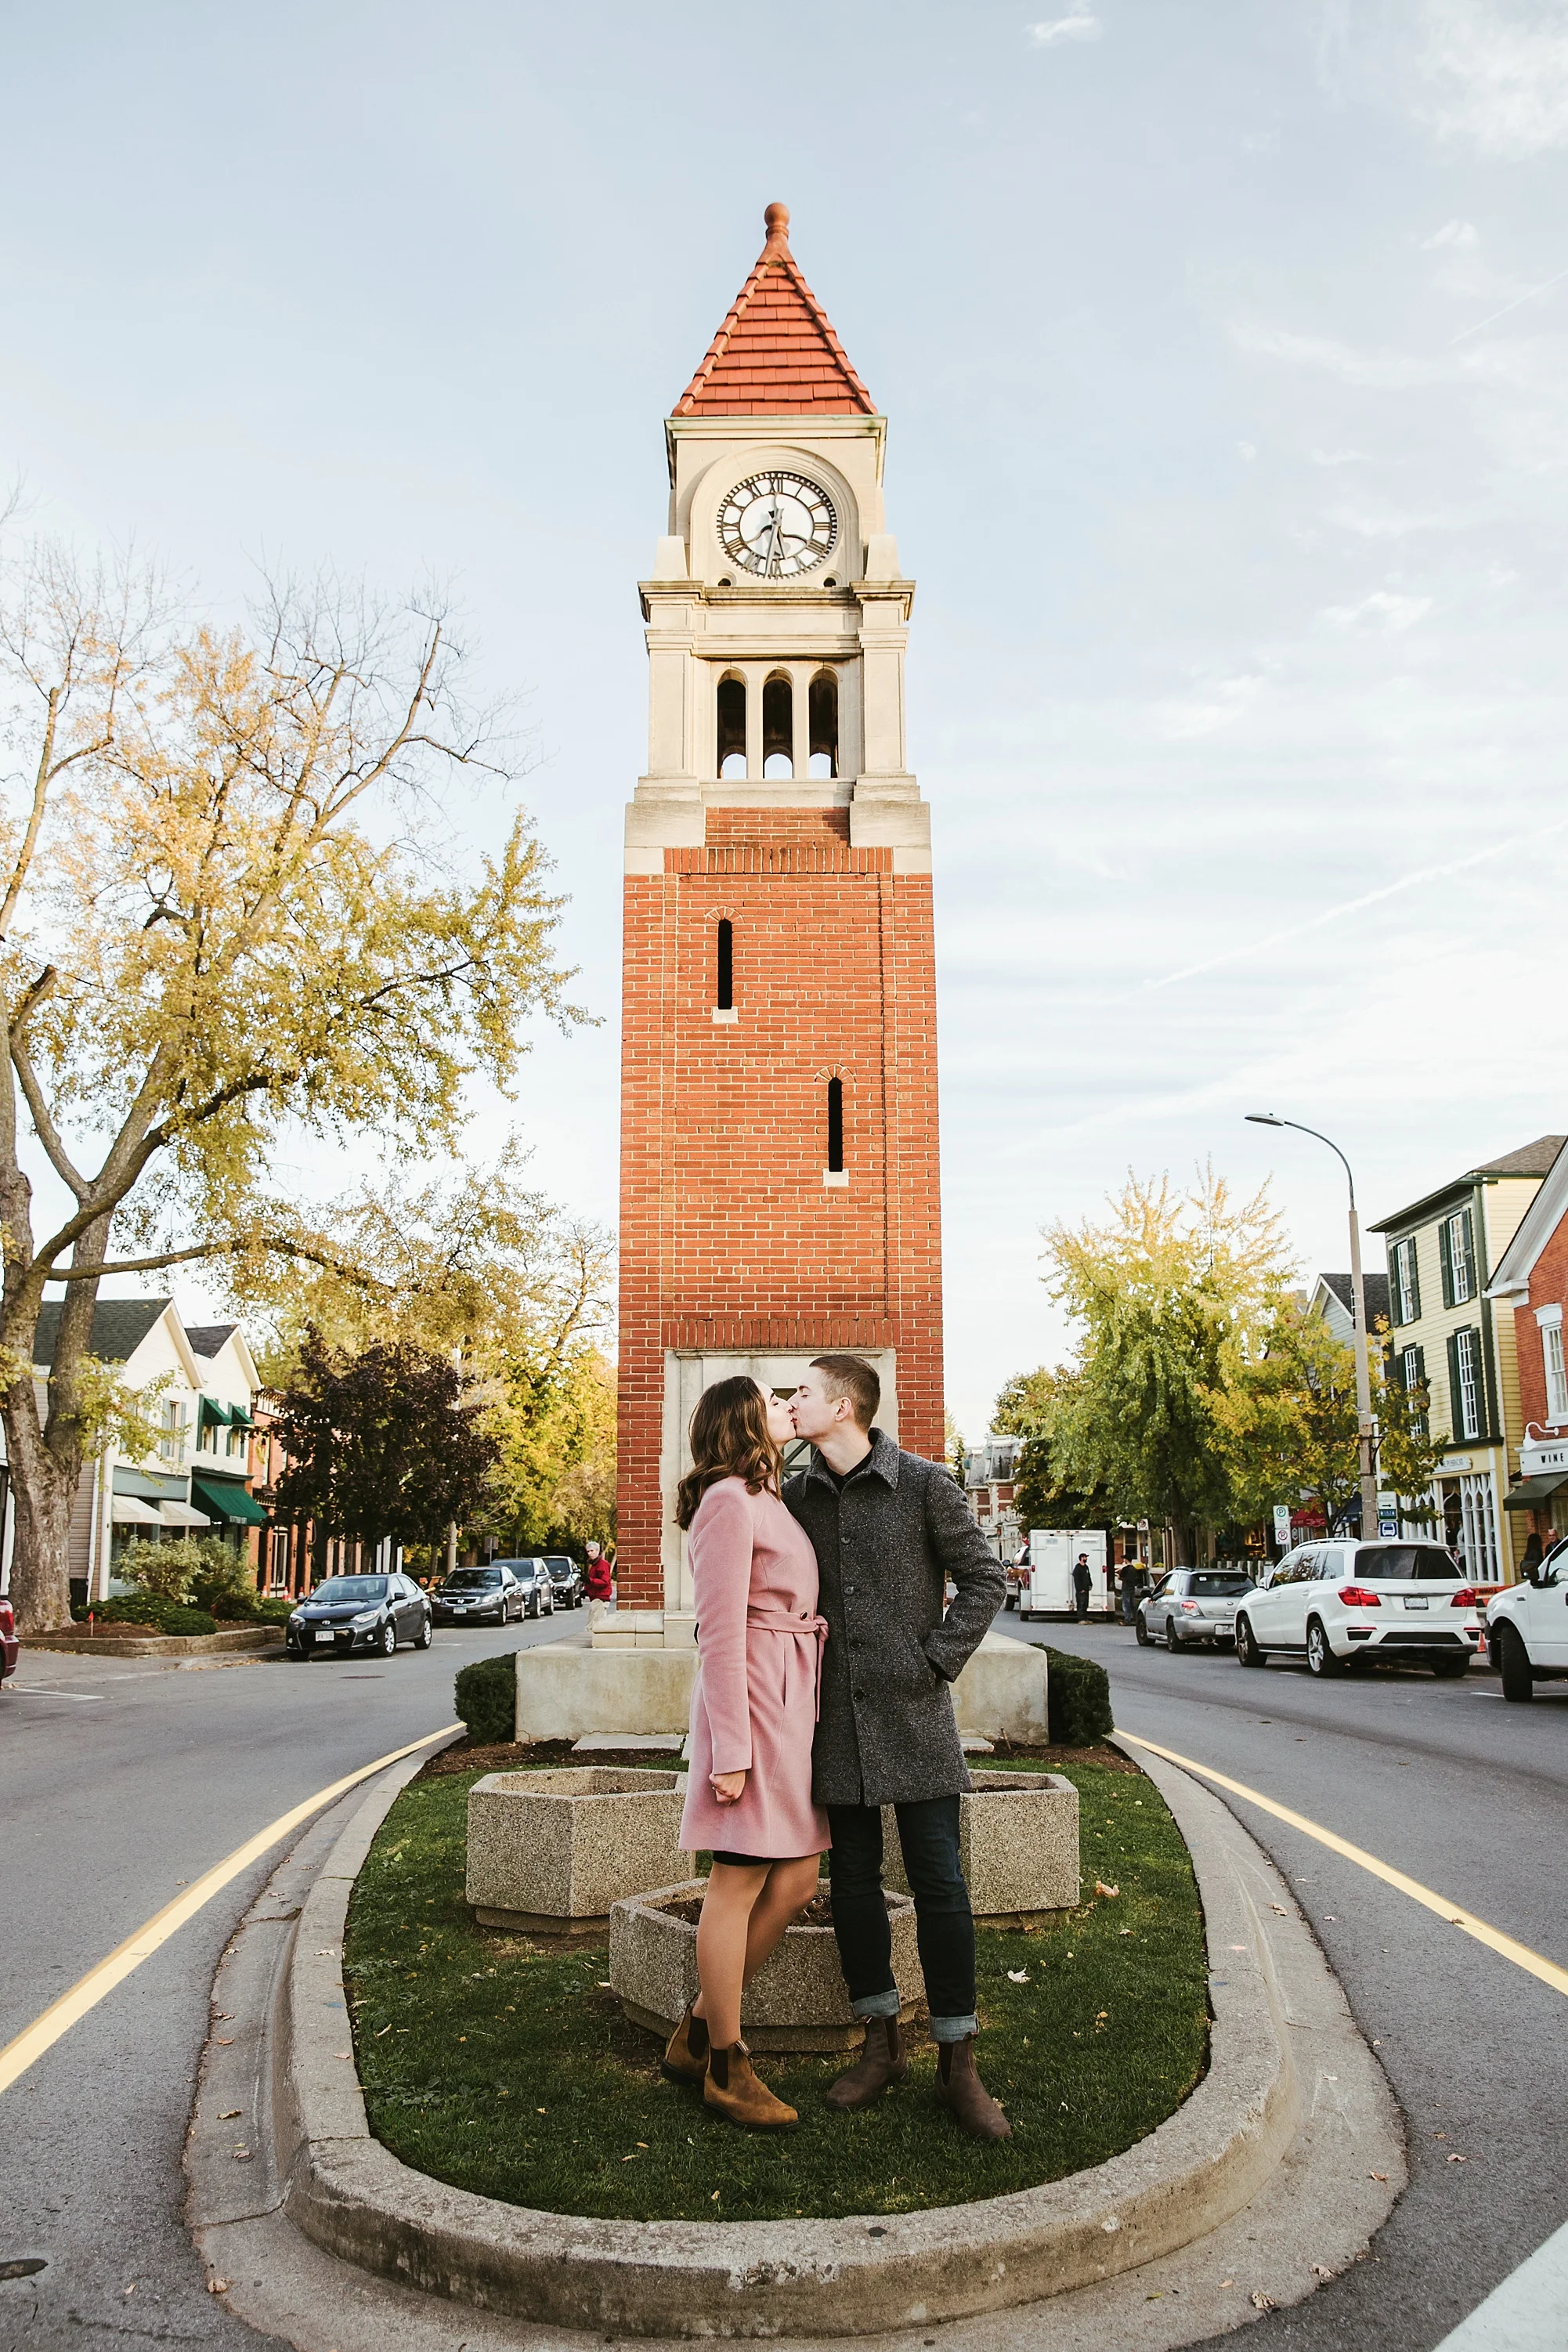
[1224, 349]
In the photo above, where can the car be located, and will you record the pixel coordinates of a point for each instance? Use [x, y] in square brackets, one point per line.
[566, 1578]
[1527, 1628]
[536, 1585]
[10, 1648]
[1191, 1605]
[478, 1596]
[360, 1613]
[1333, 1602]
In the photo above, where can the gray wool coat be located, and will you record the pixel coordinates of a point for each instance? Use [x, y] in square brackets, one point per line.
[885, 1546]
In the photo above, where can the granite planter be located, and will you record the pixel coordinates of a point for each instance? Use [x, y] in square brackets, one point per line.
[1017, 1844]
[550, 1852]
[796, 2001]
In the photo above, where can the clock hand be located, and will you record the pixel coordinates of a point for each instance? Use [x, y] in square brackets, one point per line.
[774, 541]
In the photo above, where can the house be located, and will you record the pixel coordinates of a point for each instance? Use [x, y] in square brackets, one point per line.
[989, 1471]
[1532, 1282]
[1444, 1333]
[197, 1477]
[1333, 1297]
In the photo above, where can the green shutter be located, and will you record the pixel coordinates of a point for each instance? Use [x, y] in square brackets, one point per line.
[1446, 1260]
[1472, 1268]
[1420, 1367]
[1455, 1429]
[1414, 1281]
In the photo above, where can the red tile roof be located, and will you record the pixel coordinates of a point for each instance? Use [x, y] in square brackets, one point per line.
[776, 353]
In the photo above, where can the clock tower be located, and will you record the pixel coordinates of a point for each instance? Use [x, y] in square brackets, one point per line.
[779, 1184]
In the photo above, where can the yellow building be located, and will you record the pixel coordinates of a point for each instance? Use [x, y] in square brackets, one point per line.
[1446, 1336]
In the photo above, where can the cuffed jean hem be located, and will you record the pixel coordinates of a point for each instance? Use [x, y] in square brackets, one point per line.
[954, 2029]
[876, 2004]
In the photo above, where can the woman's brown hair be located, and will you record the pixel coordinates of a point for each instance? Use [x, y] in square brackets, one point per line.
[729, 1440]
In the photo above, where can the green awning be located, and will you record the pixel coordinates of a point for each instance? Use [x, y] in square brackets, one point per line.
[1531, 1491]
[225, 1498]
[212, 1409]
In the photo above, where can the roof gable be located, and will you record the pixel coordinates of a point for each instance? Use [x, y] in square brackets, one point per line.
[1536, 1227]
[1530, 1160]
[776, 353]
[119, 1327]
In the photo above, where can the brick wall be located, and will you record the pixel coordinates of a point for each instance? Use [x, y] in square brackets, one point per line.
[1547, 1288]
[729, 1236]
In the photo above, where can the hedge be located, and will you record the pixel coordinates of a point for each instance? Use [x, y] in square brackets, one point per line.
[153, 1609]
[487, 1698]
[1078, 1698]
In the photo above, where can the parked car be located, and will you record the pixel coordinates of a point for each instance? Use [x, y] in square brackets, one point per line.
[536, 1585]
[1527, 1628]
[566, 1578]
[1331, 1603]
[1191, 1605]
[10, 1648]
[360, 1613]
[480, 1596]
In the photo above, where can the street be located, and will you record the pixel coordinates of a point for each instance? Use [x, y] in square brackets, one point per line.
[121, 1782]
[124, 1781]
[1469, 1796]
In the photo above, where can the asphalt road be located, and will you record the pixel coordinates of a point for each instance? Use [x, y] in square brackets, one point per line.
[119, 1784]
[1468, 1795]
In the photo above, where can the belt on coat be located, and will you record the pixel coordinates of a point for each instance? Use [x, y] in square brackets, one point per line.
[780, 1621]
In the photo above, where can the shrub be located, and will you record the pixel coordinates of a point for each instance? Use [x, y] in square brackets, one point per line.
[487, 1698]
[1078, 1698]
[276, 1610]
[201, 1570]
[154, 1609]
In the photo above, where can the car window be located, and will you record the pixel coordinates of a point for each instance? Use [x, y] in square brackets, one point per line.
[1331, 1562]
[1395, 1563]
[351, 1588]
[1212, 1583]
[471, 1579]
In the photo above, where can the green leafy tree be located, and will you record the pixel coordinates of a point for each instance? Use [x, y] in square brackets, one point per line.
[228, 912]
[1041, 1498]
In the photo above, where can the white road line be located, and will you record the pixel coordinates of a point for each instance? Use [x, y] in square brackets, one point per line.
[1527, 2313]
[78, 1698]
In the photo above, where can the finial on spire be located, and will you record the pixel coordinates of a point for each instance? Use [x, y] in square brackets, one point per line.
[777, 219]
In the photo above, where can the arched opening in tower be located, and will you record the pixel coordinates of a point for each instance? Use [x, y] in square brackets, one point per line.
[724, 974]
[823, 707]
[731, 726]
[778, 728]
[835, 1126]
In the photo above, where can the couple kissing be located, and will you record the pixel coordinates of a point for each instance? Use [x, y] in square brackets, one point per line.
[824, 1661]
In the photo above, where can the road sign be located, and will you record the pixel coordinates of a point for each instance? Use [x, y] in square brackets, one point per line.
[1282, 1525]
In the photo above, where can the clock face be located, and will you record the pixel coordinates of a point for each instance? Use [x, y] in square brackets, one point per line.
[778, 525]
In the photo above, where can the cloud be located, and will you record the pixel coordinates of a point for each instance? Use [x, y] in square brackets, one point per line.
[1247, 451]
[1080, 26]
[1388, 522]
[1454, 232]
[1389, 371]
[1341, 457]
[1381, 610]
[1493, 79]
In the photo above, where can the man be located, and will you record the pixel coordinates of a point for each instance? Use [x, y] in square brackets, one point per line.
[890, 1530]
[1129, 1589]
[1083, 1585]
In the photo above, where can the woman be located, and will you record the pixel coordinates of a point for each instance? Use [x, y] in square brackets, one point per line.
[754, 1712]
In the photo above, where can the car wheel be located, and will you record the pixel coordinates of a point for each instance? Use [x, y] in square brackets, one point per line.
[296, 1657]
[1513, 1661]
[386, 1640]
[1141, 1630]
[1173, 1642]
[1321, 1659]
[425, 1636]
[1248, 1652]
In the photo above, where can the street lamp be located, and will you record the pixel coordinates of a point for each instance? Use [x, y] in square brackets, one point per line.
[1358, 1292]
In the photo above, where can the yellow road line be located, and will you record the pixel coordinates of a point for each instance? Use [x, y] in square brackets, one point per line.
[89, 1990]
[1536, 1963]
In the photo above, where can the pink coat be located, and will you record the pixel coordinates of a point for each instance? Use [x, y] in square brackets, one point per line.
[753, 1708]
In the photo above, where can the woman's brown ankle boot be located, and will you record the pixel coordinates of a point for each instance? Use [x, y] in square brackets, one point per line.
[686, 2052]
[732, 2087]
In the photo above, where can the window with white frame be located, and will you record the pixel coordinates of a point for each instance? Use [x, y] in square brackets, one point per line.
[1549, 1319]
[1406, 1289]
[1412, 1376]
[1468, 1383]
[172, 1438]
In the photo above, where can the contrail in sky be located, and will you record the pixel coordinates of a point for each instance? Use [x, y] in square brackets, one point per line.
[1354, 906]
[1507, 307]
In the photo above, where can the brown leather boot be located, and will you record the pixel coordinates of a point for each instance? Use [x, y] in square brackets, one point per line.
[732, 2087]
[881, 2062]
[965, 2095]
[686, 2052]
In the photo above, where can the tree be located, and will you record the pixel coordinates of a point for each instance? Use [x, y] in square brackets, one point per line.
[226, 911]
[382, 1445]
[1174, 1296]
[555, 1479]
[1291, 1421]
[1041, 1498]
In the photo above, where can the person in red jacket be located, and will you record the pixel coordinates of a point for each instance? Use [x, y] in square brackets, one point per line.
[601, 1575]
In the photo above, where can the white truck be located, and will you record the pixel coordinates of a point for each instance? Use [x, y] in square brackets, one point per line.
[1046, 1589]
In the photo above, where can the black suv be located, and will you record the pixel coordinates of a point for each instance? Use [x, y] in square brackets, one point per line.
[567, 1579]
[483, 1596]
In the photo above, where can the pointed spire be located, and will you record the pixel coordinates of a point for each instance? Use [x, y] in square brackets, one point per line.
[776, 353]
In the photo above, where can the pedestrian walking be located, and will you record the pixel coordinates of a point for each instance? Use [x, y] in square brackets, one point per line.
[1128, 1590]
[1082, 1586]
[599, 1576]
[754, 1712]
[890, 1530]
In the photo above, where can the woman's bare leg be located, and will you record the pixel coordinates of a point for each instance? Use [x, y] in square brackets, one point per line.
[722, 1942]
[789, 1888]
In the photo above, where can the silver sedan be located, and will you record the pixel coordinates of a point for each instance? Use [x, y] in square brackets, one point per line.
[1191, 1605]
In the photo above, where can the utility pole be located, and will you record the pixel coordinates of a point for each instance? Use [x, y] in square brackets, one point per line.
[1364, 1430]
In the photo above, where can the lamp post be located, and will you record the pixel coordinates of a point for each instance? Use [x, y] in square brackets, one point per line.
[1358, 1292]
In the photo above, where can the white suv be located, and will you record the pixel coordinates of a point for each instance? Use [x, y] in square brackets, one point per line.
[1330, 1602]
[1527, 1628]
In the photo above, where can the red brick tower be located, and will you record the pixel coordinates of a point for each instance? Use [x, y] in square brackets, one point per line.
[779, 1186]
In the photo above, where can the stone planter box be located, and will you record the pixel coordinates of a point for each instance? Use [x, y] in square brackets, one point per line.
[120, 1641]
[550, 1852]
[1018, 1843]
[796, 2001]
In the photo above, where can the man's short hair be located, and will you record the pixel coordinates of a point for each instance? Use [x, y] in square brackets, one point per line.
[852, 1376]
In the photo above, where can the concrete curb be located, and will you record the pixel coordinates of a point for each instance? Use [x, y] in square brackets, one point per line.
[242, 1640]
[821, 2278]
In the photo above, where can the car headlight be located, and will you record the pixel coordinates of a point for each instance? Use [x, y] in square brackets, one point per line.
[367, 1617]
[296, 1616]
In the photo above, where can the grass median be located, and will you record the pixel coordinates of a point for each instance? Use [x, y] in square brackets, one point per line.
[503, 2065]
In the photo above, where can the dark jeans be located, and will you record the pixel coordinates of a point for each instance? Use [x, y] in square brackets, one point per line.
[944, 1925]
